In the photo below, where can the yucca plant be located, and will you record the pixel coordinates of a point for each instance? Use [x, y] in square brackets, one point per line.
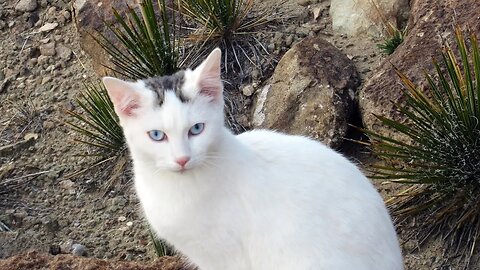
[148, 48]
[439, 159]
[148, 41]
[393, 39]
[393, 36]
[230, 24]
[98, 121]
[99, 127]
[222, 18]
[161, 247]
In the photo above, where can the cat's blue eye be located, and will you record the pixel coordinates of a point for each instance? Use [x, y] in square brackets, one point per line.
[157, 135]
[196, 129]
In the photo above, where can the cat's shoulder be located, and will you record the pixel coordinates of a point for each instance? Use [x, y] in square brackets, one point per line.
[268, 139]
[264, 135]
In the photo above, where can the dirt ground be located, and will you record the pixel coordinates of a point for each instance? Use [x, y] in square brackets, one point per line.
[41, 74]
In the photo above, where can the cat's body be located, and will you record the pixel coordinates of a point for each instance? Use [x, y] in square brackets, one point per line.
[257, 201]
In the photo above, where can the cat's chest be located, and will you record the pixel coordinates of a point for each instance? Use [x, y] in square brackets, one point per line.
[185, 206]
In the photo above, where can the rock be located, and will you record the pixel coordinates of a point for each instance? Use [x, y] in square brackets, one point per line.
[32, 62]
[48, 125]
[66, 246]
[89, 19]
[248, 90]
[311, 93]
[51, 11]
[271, 47]
[35, 260]
[429, 26]
[48, 49]
[55, 249]
[42, 60]
[48, 27]
[66, 14]
[68, 185]
[360, 17]
[79, 250]
[64, 52]
[46, 79]
[26, 5]
[304, 3]
[289, 40]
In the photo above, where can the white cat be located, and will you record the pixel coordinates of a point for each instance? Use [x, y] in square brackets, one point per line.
[257, 201]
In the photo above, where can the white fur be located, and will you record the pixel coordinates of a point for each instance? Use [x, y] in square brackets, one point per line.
[257, 201]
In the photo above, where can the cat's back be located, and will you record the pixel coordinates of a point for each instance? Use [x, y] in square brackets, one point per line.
[279, 149]
[342, 212]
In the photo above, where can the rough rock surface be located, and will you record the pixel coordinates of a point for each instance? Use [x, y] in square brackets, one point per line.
[357, 17]
[89, 18]
[41, 261]
[311, 93]
[430, 26]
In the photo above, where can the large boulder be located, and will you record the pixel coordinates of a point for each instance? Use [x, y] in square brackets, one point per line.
[90, 19]
[430, 26]
[311, 93]
[359, 17]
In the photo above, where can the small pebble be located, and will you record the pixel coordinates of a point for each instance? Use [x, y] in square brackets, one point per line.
[248, 90]
[47, 125]
[79, 250]
[64, 52]
[55, 249]
[48, 49]
[289, 40]
[46, 79]
[26, 5]
[304, 3]
[66, 14]
[271, 47]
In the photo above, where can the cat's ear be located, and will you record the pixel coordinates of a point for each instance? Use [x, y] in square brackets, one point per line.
[209, 80]
[125, 99]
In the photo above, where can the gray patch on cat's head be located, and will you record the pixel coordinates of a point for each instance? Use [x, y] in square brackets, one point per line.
[167, 83]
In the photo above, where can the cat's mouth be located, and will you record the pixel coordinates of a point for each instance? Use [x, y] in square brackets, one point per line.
[181, 170]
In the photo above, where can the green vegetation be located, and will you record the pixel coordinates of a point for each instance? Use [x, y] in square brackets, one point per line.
[394, 38]
[221, 18]
[98, 122]
[230, 24]
[161, 246]
[149, 47]
[439, 160]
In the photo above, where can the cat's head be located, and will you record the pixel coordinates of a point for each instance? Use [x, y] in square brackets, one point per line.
[172, 122]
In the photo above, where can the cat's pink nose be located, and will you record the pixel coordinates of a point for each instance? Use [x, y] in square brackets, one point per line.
[182, 161]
